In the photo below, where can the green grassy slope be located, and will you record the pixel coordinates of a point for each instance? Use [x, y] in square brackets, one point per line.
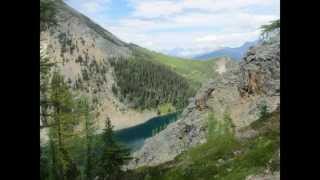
[196, 72]
[223, 156]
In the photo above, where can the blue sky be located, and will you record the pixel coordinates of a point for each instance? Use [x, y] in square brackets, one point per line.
[193, 26]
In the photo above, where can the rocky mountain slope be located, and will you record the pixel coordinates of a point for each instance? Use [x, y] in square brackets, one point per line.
[83, 51]
[224, 156]
[238, 92]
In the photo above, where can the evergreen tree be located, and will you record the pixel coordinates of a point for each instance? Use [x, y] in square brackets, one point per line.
[53, 171]
[45, 67]
[267, 29]
[146, 84]
[89, 129]
[44, 165]
[47, 14]
[113, 155]
[62, 129]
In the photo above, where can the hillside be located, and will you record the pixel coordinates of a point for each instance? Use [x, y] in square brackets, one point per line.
[195, 71]
[225, 157]
[238, 95]
[83, 51]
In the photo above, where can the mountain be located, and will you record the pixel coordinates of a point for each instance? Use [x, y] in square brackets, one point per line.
[92, 61]
[234, 53]
[194, 71]
[229, 130]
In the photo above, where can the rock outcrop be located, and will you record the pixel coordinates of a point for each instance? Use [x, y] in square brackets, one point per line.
[239, 91]
[261, 70]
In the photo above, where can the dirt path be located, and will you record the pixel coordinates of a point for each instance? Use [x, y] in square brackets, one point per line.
[221, 66]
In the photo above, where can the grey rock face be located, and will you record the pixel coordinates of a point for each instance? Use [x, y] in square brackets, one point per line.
[260, 70]
[239, 91]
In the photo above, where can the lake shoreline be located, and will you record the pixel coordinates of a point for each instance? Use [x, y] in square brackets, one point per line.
[134, 136]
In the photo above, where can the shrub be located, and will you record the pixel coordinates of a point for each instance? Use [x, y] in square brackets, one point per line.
[263, 111]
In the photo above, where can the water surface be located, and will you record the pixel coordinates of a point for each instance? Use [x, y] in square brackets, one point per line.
[135, 136]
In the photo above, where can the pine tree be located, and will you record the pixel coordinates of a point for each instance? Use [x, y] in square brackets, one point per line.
[44, 165]
[47, 160]
[267, 29]
[47, 14]
[53, 172]
[62, 129]
[146, 84]
[45, 67]
[113, 155]
[84, 109]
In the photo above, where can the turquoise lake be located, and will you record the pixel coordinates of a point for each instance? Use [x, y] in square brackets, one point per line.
[135, 136]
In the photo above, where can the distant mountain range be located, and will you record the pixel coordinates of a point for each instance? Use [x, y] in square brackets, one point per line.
[234, 53]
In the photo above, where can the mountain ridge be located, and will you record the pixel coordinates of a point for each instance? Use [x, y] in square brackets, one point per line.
[234, 53]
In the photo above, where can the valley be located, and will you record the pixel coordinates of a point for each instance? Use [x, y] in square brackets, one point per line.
[112, 110]
[82, 49]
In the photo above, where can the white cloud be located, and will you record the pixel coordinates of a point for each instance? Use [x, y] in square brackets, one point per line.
[193, 26]
[223, 5]
[235, 20]
[159, 8]
[152, 9]
[225, 22]
[231, 40]
[233, 30]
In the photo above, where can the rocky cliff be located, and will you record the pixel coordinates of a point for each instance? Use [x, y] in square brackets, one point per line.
[239, 91]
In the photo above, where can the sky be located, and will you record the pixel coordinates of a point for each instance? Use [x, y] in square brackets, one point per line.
[186, 26]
